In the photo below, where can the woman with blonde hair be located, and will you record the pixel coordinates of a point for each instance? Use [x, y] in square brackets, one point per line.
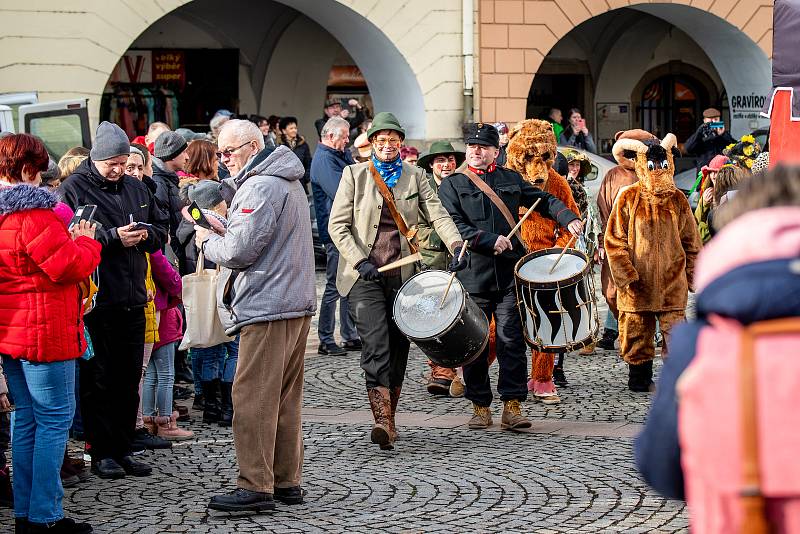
[71, 159]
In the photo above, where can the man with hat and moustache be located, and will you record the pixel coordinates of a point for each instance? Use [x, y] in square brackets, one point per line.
[489, 277]
[376, 203]
[333, 108]
[709, 140]
[440, 162]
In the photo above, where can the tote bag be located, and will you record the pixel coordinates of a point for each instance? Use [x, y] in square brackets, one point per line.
[203, 327]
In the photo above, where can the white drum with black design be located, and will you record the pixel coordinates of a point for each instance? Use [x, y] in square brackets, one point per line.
[451, 334]
[558, 309]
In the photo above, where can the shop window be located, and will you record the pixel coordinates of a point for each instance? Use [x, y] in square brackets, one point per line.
[673, 103]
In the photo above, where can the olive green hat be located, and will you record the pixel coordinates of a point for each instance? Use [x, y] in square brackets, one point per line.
[385, 121]
[439, 148]
[574, 155]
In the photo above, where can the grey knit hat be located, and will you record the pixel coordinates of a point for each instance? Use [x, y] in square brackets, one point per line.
[109, 141]
[206, 193]
[169, 145]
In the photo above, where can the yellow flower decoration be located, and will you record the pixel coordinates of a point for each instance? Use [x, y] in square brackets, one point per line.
[730, 146]
[749, 163]
[748, 150]
[748, 139]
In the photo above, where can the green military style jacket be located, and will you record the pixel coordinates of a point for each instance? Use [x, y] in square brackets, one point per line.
[434, 253]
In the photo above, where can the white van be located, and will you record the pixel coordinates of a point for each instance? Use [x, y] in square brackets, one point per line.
[61, 125]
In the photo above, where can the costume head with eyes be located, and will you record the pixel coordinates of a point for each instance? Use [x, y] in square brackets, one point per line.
[531, 151]
[655, 165]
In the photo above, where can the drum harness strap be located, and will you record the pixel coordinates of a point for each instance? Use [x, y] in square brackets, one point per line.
[389, 199]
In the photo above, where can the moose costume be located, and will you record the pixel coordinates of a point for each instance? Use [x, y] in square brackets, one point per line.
[531, 152]
[651, 243]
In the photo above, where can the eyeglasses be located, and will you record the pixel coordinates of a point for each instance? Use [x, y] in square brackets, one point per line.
[383, 141]
[228, 152]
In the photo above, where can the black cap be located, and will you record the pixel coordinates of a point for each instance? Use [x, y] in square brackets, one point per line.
[480, 133]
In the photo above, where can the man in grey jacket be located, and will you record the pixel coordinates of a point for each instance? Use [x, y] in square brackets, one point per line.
[267, 295]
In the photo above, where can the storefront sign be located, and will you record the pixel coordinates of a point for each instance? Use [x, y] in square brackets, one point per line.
[169, 67]
[346, 76]
[747, 106]
[611, 118]
[136, 66]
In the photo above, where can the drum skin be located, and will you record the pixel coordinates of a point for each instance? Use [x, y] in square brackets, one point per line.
[459, 342]
[558, 312]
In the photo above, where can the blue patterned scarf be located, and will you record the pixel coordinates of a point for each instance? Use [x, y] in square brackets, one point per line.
[390, 171]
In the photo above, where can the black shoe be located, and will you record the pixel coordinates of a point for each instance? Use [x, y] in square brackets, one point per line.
[181, 393]
[242, 500]
[62, 526]
[20, 525]
[134, 468]
[226, 404]
[439, 386]
[328, 349]
[558, 377]
[293, 495]
[107, 468]
[142, 438]
[352, 346]
[640, 377]
[607, 341]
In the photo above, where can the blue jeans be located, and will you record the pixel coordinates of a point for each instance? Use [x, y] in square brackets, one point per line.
[611, 323]
[218, 361]
[327, 308]
[198, 386]
[44, 394]
[159, 377]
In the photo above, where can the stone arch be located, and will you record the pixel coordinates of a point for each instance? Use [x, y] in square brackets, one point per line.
[517, 36]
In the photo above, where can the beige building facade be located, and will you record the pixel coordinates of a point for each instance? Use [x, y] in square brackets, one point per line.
[434, 63]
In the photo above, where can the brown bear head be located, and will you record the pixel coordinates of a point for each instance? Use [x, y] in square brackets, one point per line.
[531, 150]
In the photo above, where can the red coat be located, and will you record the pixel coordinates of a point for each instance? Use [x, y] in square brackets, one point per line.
[41, 309]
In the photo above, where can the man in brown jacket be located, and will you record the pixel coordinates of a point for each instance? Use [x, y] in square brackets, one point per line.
[651, 243]
[368, 236]
[623, 175]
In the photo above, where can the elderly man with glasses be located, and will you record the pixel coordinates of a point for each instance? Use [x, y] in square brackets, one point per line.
[267, 296]
[376, 204]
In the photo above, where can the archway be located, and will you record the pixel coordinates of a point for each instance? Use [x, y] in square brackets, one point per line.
[286, 49]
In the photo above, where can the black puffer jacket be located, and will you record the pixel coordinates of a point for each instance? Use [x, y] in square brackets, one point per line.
[167, 194]
[122, 269]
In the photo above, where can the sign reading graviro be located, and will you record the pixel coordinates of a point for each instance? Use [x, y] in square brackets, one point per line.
[747, 106]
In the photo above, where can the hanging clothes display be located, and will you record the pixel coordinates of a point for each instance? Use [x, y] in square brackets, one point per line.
[135, 106]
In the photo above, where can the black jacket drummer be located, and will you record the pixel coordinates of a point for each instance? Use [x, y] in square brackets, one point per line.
[480, 222]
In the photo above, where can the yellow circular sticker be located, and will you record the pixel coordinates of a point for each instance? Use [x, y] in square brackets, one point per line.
[195, 214]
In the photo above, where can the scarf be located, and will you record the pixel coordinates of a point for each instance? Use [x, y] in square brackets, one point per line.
[390, 171]
[479, 172]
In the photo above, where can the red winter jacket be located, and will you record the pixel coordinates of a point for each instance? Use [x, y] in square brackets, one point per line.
[41, 310]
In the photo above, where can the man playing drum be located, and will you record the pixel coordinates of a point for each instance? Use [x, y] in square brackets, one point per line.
[376, 204]
[489, 277]
[440, 162]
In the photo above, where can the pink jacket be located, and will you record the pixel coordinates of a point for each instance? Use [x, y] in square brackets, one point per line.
[708, 392]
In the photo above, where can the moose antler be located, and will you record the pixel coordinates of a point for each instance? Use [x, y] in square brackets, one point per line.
[669, 141]
[627, 144]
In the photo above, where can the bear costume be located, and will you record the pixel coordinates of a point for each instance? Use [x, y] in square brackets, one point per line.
[651, 243]
[531, 151]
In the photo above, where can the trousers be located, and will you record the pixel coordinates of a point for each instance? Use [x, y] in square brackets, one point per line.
[327, 306]
[384, 353]
[510, 343]
[267, 399]
[637, 330]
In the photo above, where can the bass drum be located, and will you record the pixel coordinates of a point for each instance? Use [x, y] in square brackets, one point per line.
[452, 336]
[558, 309]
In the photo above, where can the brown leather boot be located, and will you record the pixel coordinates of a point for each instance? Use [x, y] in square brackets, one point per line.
[394, 396]
[381, 405]
[512, 416]
[482, 417]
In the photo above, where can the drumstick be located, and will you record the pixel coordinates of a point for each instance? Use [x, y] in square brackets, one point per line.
[522, 220]
[453, 276]
[562, 254]
[399, 263]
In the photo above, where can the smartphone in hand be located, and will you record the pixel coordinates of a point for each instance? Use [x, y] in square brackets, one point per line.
[141, 226]
[83, 213]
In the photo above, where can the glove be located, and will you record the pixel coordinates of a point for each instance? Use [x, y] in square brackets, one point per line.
[368, 272]
[455, 263]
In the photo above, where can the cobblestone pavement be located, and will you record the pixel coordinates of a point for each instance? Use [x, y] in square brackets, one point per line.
[572, 473]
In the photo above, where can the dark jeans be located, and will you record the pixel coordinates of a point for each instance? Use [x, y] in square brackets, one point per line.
[5, 437]
[327, 307]
[385, 349]
[110, 380]
[511, 352]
